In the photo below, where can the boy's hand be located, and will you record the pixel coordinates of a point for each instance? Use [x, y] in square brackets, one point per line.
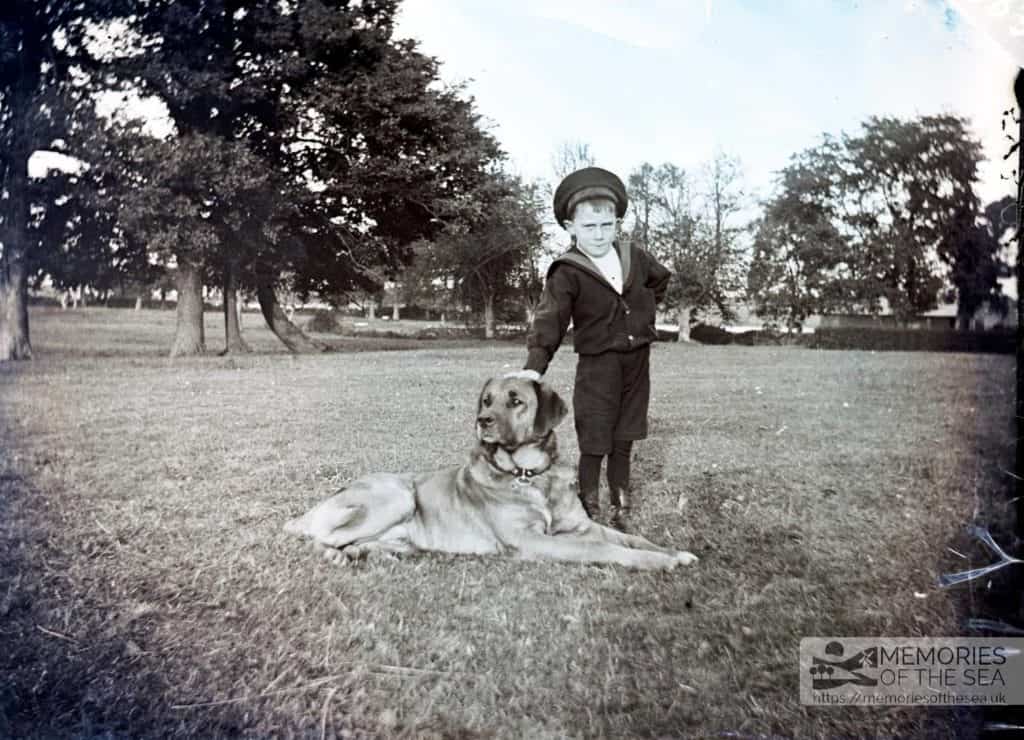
[525, 375]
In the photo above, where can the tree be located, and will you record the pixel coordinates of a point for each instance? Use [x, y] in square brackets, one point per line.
[719, 278]
[350, 149]
[421, 283]
[193, 193]
[881, 218]
[799, 255]
[79, 241]
[690, 226]
[490, 251]
[570, 156]
[643, 196]
[908, 187]
[41, 44]
[976, 264]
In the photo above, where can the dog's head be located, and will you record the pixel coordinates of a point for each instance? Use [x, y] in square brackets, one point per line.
[515, 411]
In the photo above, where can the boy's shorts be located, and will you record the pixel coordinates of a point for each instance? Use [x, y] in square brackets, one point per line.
[610, 399]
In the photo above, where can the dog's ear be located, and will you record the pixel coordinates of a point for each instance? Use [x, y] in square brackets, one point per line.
[551, 409]
[480, 398]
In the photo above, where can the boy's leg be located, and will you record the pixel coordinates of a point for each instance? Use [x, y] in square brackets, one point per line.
[631, 426]
[589, 476]
[596, 399]
[618, 482]
[618, 471]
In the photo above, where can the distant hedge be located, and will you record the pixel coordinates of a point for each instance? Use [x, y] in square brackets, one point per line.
[708, 334]
[914, 340]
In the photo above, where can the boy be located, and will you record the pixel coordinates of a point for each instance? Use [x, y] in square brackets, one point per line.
[609, 291]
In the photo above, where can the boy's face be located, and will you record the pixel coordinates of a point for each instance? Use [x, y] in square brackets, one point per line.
[594, 225]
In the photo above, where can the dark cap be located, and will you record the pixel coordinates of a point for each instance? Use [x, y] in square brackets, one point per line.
[586, 184]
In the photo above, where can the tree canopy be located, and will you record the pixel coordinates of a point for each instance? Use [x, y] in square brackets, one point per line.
[309, 146]
[877, 219]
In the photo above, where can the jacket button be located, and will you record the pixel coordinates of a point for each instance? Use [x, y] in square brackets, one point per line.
[630, 337]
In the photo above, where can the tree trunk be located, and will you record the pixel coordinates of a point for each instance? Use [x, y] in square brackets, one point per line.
[20, 140]
[14, 339]
[963, 318]
[233, 341]
[684, 324]
[189, 335]
[489, 317]
[394, 311]
[371, 311]
[289, 334]
[138, 302]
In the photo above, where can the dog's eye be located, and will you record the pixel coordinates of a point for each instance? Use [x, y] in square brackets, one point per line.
[487, 400]
[516, 402]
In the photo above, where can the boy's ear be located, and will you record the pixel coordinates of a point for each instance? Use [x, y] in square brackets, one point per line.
[551, 409]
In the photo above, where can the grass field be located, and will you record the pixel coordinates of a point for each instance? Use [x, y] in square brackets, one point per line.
[146, 588]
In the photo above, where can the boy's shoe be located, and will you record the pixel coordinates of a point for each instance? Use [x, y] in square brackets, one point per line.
[591, 503]
[620, 519]
[621, 509]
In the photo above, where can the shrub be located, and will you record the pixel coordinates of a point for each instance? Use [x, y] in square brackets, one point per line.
[329, 322]
[668, 335]
[707, 334]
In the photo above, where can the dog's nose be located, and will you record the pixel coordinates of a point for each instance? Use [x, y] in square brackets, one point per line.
[485, 420]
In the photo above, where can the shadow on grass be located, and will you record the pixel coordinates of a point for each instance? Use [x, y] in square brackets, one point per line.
[820, 566]
[72, 666]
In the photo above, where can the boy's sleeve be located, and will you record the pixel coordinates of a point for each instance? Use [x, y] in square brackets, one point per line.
[657, 277]
[551, 320]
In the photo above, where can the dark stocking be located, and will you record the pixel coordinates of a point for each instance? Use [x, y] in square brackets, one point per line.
[589, 472]
[618, 469]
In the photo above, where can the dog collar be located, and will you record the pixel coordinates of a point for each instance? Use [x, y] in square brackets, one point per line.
[522, 475]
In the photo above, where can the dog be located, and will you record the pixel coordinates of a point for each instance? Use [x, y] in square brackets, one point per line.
[513, 497]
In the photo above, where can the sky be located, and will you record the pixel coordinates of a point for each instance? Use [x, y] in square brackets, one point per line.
[677, 81]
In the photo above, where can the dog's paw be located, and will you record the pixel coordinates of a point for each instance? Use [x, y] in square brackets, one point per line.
[332, 554]
[295, 526]
[686, 558]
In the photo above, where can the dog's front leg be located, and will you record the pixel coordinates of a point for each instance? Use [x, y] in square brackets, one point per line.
[577, 549]
[637, 542]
